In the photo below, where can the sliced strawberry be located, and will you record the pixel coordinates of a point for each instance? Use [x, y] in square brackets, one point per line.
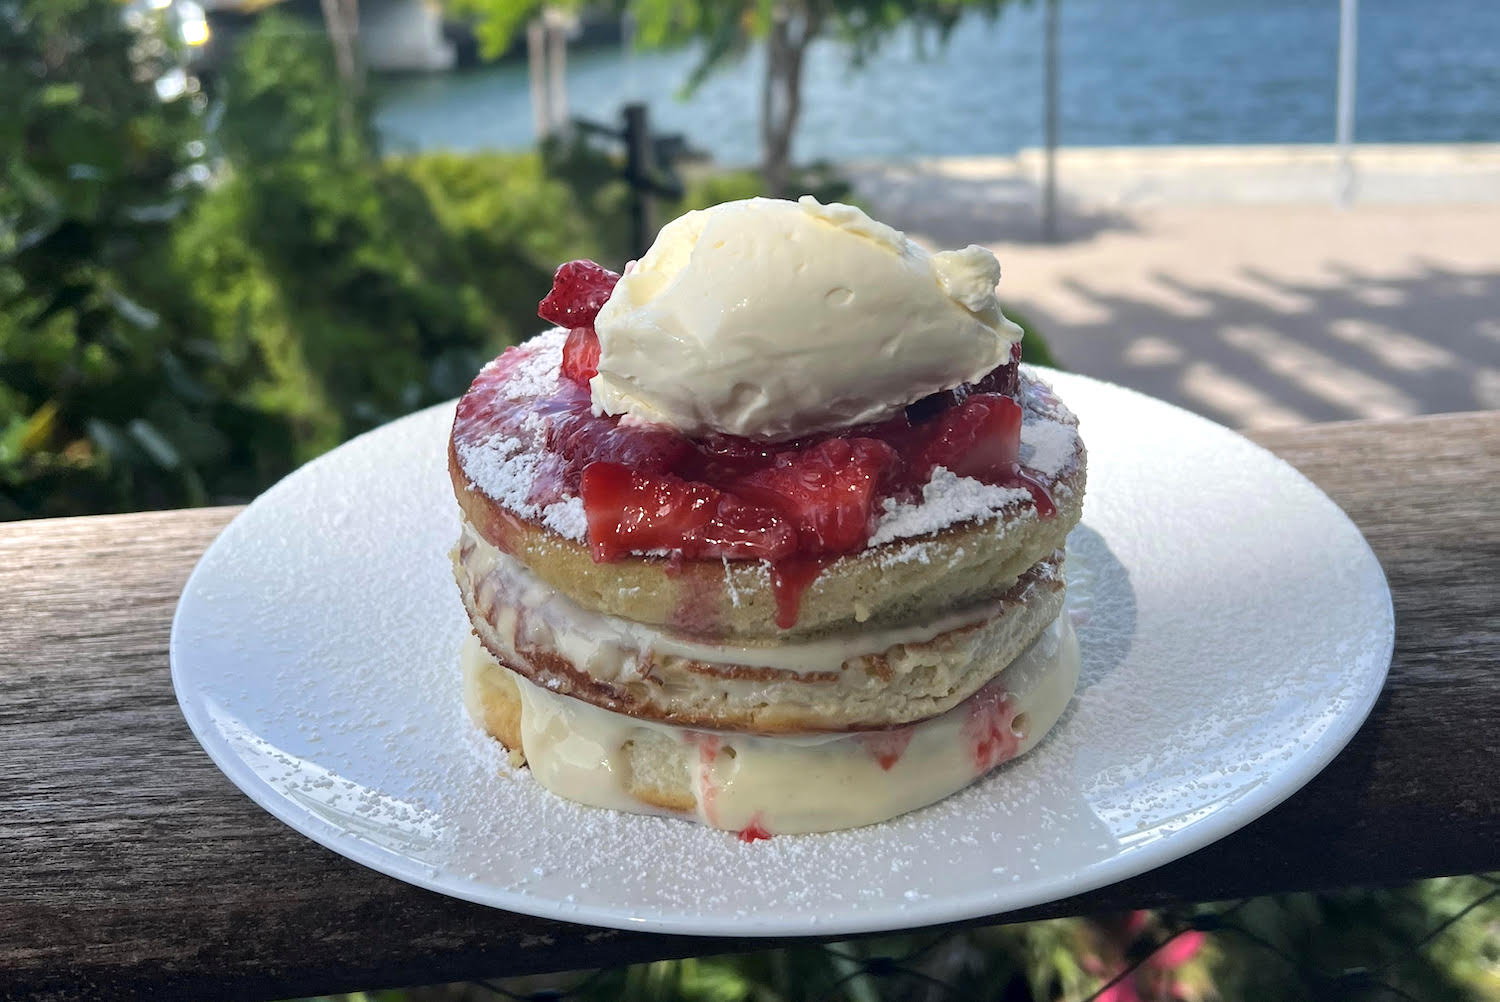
[980, 438]
[744, 531]
[580, 360]
[722, 459]
[582, 439]
[1003, 379]
[630, 511]
[579, 290]
[827, 491]
[989, 729]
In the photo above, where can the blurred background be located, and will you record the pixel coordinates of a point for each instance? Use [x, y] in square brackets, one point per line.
[233, 233]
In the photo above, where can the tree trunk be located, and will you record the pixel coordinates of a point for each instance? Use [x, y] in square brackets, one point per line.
[781, 92]
[341, 18]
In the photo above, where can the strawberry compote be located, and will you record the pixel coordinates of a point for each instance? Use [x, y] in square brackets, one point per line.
[797, 504]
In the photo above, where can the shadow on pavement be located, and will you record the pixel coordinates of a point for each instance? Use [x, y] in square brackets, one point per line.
[1275, 352]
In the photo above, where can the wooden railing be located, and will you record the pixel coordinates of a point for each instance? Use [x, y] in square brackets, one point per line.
[129, 867]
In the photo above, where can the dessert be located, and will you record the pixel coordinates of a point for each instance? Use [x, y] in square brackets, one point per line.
[768, 532]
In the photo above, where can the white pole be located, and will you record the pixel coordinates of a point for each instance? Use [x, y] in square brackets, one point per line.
[1049, 124]
[627, 49]
[1348, 59]
[557, 64]
[536, 63]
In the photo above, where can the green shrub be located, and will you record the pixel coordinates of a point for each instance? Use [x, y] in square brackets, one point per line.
[164, 341]
[188, 310]
[703, 188]
[362, 288]
[103, 402]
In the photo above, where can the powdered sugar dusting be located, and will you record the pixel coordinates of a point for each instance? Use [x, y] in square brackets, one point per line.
[1048, 446]
[947, 499]
[1050, 449]
[505, 469]
[537, 376]
[566, 518]
[506, 465]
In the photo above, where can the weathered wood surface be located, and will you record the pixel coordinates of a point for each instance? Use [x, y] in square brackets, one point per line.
[129, 867]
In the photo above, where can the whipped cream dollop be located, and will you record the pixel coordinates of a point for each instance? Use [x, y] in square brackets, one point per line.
[772, 319]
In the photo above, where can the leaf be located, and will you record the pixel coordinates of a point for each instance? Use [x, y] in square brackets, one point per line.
[111, 440]
[11, 451]
[154, 444]
[38, 428]
[132, 311]
[58, 94]
[181, 381]
[161, 212]
[64, 299]
[33, 186]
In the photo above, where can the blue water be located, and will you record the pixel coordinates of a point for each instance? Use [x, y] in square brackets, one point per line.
[1133, 72]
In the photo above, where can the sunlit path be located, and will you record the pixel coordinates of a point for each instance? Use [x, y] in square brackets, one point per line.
[1261, 314]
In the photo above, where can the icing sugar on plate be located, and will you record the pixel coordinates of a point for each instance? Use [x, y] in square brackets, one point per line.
[1237, 631]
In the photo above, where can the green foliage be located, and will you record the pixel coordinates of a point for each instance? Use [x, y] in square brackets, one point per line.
[727, 28]
[102, 405]
[314, 260]
[178, 333]
[1298, 946]
[363, 288]
[1356, 945]
[496, 22]
[164, 341]
[705, 188]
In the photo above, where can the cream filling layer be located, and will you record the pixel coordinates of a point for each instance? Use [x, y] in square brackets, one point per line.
[785, 785]
[603, 644]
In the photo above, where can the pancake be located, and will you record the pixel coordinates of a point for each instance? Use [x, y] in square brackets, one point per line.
[760, 785]
[661, 684]
[962, 545]
[869, 678]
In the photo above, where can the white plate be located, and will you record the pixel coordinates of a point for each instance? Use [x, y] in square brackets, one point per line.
[1235, 630]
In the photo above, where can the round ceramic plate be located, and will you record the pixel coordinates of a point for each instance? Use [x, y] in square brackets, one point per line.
[1235, 630]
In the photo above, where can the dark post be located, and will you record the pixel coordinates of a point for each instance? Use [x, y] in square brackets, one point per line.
[1049, 184]
[638, 172]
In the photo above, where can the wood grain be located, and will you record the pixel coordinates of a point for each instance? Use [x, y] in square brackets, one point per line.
[129, 867]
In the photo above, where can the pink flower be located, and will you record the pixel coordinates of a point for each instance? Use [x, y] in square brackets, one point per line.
[1177, 951]
[1122, 992]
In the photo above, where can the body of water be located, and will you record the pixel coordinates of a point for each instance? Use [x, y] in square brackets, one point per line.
[1133, 72]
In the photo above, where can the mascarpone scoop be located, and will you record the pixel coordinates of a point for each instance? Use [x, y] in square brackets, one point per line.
[772, 319]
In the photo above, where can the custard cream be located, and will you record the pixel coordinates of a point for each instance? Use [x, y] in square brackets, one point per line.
[866, 679]
[773, 319]
[784, 785]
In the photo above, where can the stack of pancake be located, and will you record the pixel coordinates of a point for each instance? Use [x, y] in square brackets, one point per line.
[658, 684]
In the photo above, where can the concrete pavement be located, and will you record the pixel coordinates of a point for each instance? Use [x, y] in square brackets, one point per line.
[1229, 283]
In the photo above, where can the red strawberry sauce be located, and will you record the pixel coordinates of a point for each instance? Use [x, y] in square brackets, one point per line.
[797, 504]
[989, 728]
[755, 831]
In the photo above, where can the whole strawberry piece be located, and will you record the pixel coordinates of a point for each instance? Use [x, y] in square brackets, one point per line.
[579, 290]
[580, 360]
